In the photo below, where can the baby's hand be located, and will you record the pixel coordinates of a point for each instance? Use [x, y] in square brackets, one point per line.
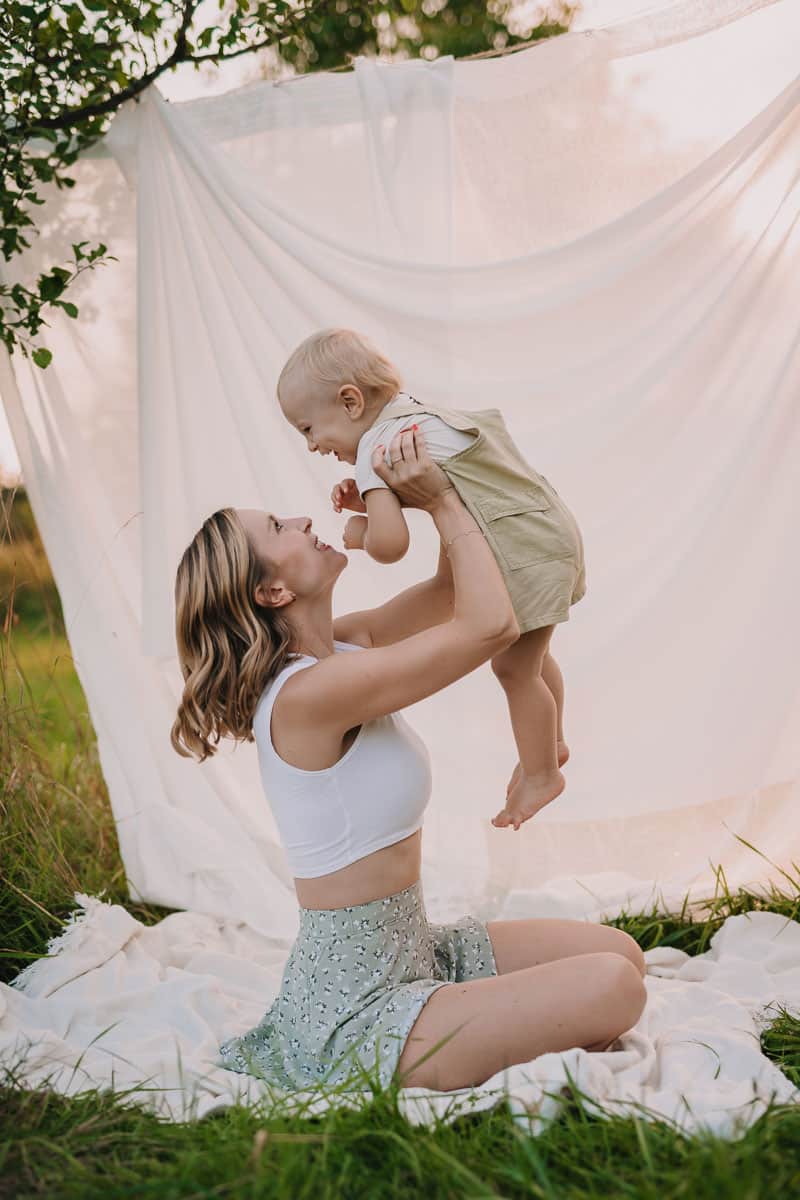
[345, 495]
[355, 531]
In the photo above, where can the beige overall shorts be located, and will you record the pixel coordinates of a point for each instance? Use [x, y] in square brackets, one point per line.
[533, 535]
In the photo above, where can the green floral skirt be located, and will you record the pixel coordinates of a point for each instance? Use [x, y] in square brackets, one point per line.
[353, 985]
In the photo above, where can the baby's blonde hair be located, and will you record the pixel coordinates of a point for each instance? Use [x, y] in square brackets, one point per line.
[336, 356]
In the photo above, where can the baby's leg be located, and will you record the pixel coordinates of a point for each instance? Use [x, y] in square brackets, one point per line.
[551, 674]
[534, 719]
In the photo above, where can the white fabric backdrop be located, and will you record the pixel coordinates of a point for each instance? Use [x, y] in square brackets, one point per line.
[599, 235]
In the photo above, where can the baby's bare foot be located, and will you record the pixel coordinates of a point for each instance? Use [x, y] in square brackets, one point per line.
[527, 796]
[563, 755]
[515, 778]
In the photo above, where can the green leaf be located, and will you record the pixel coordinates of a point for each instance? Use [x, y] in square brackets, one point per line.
[70, 309]
[9, 242]
[42, 357]
[42, 169]
[51, 286]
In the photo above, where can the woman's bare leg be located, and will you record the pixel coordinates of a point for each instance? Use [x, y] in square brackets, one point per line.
[587, 1000]
[528, 943]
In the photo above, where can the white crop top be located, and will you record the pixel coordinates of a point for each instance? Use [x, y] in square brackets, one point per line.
[373, 796]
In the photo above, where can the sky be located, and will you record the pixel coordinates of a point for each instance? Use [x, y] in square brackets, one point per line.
[185, 83]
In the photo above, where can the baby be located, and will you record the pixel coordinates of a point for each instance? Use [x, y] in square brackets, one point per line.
[344, 396]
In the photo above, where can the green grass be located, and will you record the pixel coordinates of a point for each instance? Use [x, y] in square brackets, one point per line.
[96, 1147]
[57, 836]
[40, 682]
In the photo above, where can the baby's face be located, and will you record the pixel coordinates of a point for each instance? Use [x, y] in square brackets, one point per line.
[330, 426]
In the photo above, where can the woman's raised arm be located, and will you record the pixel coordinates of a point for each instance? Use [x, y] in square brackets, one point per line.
[429, 602]
[345, 690]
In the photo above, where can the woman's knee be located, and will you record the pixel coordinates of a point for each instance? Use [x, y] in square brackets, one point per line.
[625, 945]
[620, 993]
[585, 1000]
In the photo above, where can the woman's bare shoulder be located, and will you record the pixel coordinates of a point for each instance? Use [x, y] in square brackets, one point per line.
[294, 705]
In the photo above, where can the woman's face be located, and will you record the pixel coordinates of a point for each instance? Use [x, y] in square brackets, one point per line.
[297, 560]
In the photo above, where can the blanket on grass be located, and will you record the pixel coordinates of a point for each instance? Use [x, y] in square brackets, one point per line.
[141, 1010]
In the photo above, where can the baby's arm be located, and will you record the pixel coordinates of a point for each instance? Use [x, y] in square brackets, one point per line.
[387, 537]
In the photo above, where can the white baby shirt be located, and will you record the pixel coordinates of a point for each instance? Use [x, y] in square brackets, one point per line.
[441, 441]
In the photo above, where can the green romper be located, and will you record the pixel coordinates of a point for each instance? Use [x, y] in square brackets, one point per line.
[533, 535]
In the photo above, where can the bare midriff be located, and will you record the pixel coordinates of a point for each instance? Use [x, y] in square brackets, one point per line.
[382, 873]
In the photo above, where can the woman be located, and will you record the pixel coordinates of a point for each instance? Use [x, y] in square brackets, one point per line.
[370, 983]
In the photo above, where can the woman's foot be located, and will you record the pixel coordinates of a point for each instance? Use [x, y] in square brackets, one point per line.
[526, 795]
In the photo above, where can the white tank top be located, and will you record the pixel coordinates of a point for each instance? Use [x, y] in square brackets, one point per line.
[373, 796]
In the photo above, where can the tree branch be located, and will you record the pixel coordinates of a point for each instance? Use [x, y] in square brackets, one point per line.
[73, 116]
[291, 24]
[217, 56]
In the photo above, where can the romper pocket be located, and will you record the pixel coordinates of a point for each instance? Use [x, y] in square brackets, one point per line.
[523, 529]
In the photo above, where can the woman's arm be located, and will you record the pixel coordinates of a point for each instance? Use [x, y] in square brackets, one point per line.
[345, 690]
[418, 607]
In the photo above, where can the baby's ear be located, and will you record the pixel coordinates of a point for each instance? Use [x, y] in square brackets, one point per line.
[352, 400]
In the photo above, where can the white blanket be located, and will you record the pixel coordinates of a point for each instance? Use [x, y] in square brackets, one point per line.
[142, 1010]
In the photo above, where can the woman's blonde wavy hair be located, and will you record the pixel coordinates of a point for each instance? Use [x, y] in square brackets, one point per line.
[229, 646]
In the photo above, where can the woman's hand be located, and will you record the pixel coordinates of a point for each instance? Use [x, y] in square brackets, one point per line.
[345, 495]
[413, 475]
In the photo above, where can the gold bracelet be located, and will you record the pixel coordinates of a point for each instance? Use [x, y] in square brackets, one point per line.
[466, 533]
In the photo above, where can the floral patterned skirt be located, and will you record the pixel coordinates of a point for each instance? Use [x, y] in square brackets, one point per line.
[353, 985]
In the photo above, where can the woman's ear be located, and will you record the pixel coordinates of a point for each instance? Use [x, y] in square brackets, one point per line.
[272, 595]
